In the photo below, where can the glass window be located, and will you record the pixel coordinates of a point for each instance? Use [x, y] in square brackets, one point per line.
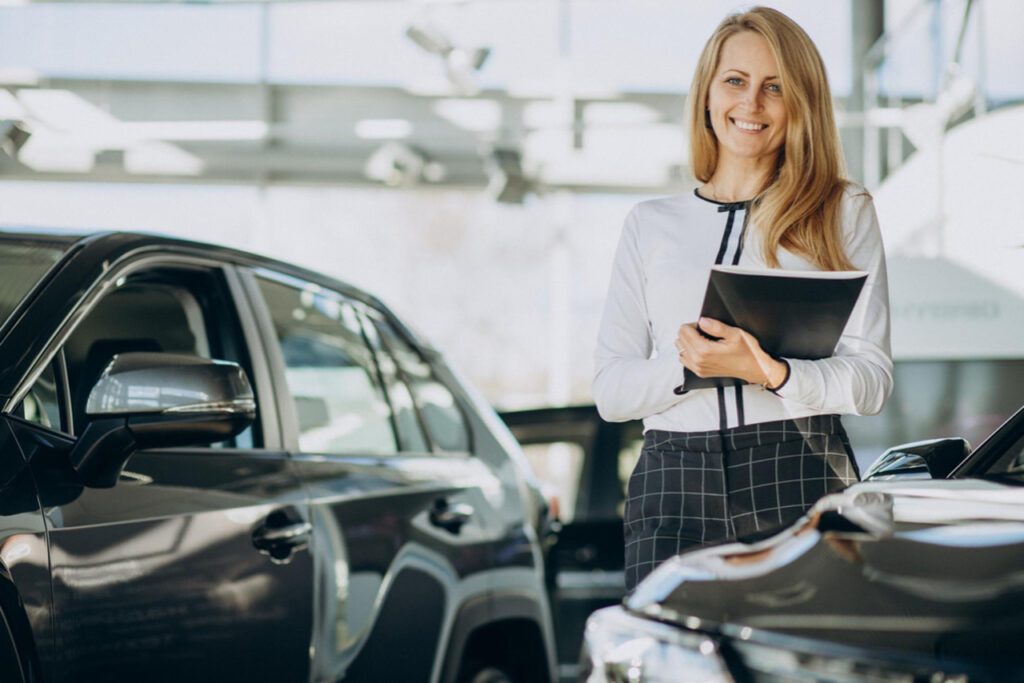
[181, 311]
[41, 404]
[22, 264]
[442, 415]
[407, 419]
[941, 398]
[1011, 463]
[558, 466]
[629, 454]
[331, 372]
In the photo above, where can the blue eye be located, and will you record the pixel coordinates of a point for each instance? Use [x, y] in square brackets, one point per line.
[733, 80]
[775, 88]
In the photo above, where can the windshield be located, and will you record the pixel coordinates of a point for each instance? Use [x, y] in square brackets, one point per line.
[22, 264]
[1010, 465]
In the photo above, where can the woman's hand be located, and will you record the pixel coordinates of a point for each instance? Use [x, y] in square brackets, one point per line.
[735, 354]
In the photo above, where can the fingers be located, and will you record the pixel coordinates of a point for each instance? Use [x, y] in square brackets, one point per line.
[716, 328]
[689, 338]
[715, 349]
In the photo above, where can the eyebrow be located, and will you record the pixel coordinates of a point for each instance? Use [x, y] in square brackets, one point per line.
[744, 73]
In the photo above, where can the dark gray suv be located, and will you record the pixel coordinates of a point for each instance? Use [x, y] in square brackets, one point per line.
[215, 466]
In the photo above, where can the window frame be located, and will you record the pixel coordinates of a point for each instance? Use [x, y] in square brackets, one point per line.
[132, 265]
[366, 313]
[403, 376]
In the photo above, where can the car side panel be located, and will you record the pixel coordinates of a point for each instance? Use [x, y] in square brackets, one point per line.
[157, 578]
[24, 569]
[388, 567]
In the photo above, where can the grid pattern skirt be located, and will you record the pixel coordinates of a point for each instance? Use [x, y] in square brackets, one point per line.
[697, 488]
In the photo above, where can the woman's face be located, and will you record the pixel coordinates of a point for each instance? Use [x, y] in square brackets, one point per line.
[745, 100]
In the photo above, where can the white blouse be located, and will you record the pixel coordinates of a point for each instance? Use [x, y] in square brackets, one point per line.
[660, 272]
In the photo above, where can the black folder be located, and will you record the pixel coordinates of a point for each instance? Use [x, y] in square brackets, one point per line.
[792, 313]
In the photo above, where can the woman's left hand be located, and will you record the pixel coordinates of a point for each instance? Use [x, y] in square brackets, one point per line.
[735, 354]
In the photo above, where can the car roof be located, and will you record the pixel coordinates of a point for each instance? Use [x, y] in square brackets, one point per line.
[79, 243]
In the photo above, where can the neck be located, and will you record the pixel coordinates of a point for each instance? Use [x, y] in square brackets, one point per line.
[732, 182]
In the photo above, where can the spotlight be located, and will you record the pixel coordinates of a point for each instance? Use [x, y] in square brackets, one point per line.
[398, 165]
[460, 64]
[507, 184]
[13, 136]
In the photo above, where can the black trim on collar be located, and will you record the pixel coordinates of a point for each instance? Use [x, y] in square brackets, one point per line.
[724, 206]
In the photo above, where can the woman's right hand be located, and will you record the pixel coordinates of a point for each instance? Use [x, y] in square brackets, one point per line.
[733, 353]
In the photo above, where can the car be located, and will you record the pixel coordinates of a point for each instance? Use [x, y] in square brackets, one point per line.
[218, 466]
[915, 574]
[586, 460]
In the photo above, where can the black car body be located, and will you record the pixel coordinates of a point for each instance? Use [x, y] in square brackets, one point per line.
[327, 501]
[900, 578]
[584, 554]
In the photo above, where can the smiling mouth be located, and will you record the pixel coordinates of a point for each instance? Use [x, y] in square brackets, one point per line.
[746, 125]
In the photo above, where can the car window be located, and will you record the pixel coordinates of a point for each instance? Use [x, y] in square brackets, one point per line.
[332, 374]
[41, 404]
[558, 466]
[629, 454]
[442, 416]
[185, 311]
[407, 419]
[1011, 463]
[22, 264]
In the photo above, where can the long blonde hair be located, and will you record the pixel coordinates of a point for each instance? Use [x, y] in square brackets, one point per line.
[798, 209]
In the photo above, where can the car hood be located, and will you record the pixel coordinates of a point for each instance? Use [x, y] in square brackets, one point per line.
[935, 568]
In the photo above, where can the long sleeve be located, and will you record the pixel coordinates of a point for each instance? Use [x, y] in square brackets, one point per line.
[858, 377]
[631, 379]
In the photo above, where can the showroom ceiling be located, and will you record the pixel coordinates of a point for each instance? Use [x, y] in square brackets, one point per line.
[123, 131]
[519, 96]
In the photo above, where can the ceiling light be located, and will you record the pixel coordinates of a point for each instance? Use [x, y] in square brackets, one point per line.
[10, 107]
[161, 158]
[631, 156]
[429, 38]
[48, 152]
[474, 115]
[460, 64]
[619, 114]
[13, 136]
[14, 75]
[398, 165]
[63, 110]
[548, 114]
[383, 129]
[508, 184]
[195, 130]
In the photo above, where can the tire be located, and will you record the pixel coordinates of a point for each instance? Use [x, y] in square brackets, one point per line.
[488, 674]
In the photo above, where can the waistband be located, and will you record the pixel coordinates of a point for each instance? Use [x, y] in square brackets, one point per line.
[746, 436]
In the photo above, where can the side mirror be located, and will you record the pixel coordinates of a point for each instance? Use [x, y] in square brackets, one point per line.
[158, 400]
[933, 459]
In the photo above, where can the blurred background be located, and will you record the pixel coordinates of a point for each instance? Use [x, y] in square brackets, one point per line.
[471, 162]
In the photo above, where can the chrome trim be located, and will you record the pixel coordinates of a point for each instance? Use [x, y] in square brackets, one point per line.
[239, 406]
[127, 264]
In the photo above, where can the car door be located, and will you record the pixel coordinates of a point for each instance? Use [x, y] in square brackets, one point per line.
[406, 519]
[194, 565]
[584, 463]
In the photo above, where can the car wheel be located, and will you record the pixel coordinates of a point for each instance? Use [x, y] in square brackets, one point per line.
[488, 674]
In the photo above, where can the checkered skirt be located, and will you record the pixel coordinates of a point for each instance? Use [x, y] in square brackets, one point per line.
[696, 488]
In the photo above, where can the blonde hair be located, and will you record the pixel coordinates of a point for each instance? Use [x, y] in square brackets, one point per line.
[798, 208]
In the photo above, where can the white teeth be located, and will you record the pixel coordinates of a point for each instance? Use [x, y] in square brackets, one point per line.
[750, 126]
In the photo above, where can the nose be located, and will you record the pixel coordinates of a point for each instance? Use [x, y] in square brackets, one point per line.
[753, 98]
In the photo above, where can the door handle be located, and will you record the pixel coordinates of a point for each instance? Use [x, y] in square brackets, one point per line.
[450, 517]
[280, 535]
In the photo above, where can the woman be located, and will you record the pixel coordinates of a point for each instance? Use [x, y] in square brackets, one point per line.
[723, 463]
